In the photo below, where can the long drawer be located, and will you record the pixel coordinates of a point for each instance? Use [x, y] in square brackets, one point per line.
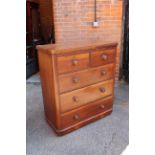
[84, 78]
[78, 115]
[85, 95]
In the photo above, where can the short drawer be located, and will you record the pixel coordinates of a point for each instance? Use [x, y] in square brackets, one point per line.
[69, 63]
[86, 95]
[87, 112]
[80, 79]
[102, 57]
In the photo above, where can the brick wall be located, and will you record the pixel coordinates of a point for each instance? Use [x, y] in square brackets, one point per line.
[73, 21]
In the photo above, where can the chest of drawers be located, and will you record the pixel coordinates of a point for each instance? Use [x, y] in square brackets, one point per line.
[77, 84]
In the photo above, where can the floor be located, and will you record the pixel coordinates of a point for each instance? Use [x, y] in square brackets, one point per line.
[107, 136]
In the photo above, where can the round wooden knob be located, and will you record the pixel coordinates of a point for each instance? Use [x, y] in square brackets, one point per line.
[76, 117]
[76, 80]
[103, 72]
[75, 99]
[102, 90]
[102, 106]
[104, 57]
[75, 62]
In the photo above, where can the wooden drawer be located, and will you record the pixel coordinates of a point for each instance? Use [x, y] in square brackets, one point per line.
[90, 111]
[85, 95]
[102, 57]
[84, 78]
[69, 63]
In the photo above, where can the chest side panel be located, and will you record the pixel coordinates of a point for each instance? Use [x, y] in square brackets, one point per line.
[49, 88]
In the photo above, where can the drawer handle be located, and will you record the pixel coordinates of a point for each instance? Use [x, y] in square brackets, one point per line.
[102, 90]
[102, 106]
[104, 57]
[103, 72]
[76, 117]
[75, 99]
[75, 62]
[76, 80]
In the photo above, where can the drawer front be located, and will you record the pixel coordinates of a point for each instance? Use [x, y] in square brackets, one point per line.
[69, 63]
[102, 57]
[83, 78]
[76, 116]
[85, 95]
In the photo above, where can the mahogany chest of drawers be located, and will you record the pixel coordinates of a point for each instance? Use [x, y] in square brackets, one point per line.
[77, 84]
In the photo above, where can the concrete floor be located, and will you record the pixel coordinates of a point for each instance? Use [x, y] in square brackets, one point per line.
[108, 136]
[34, 79]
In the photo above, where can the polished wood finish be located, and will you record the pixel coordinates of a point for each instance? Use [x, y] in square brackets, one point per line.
[77, 98]
[73, 62]
[49, 85]
[102, 57]
[84, 78]
[77, 84]
[93, 109]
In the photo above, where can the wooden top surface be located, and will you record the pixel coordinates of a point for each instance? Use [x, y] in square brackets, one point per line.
[59, 48]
